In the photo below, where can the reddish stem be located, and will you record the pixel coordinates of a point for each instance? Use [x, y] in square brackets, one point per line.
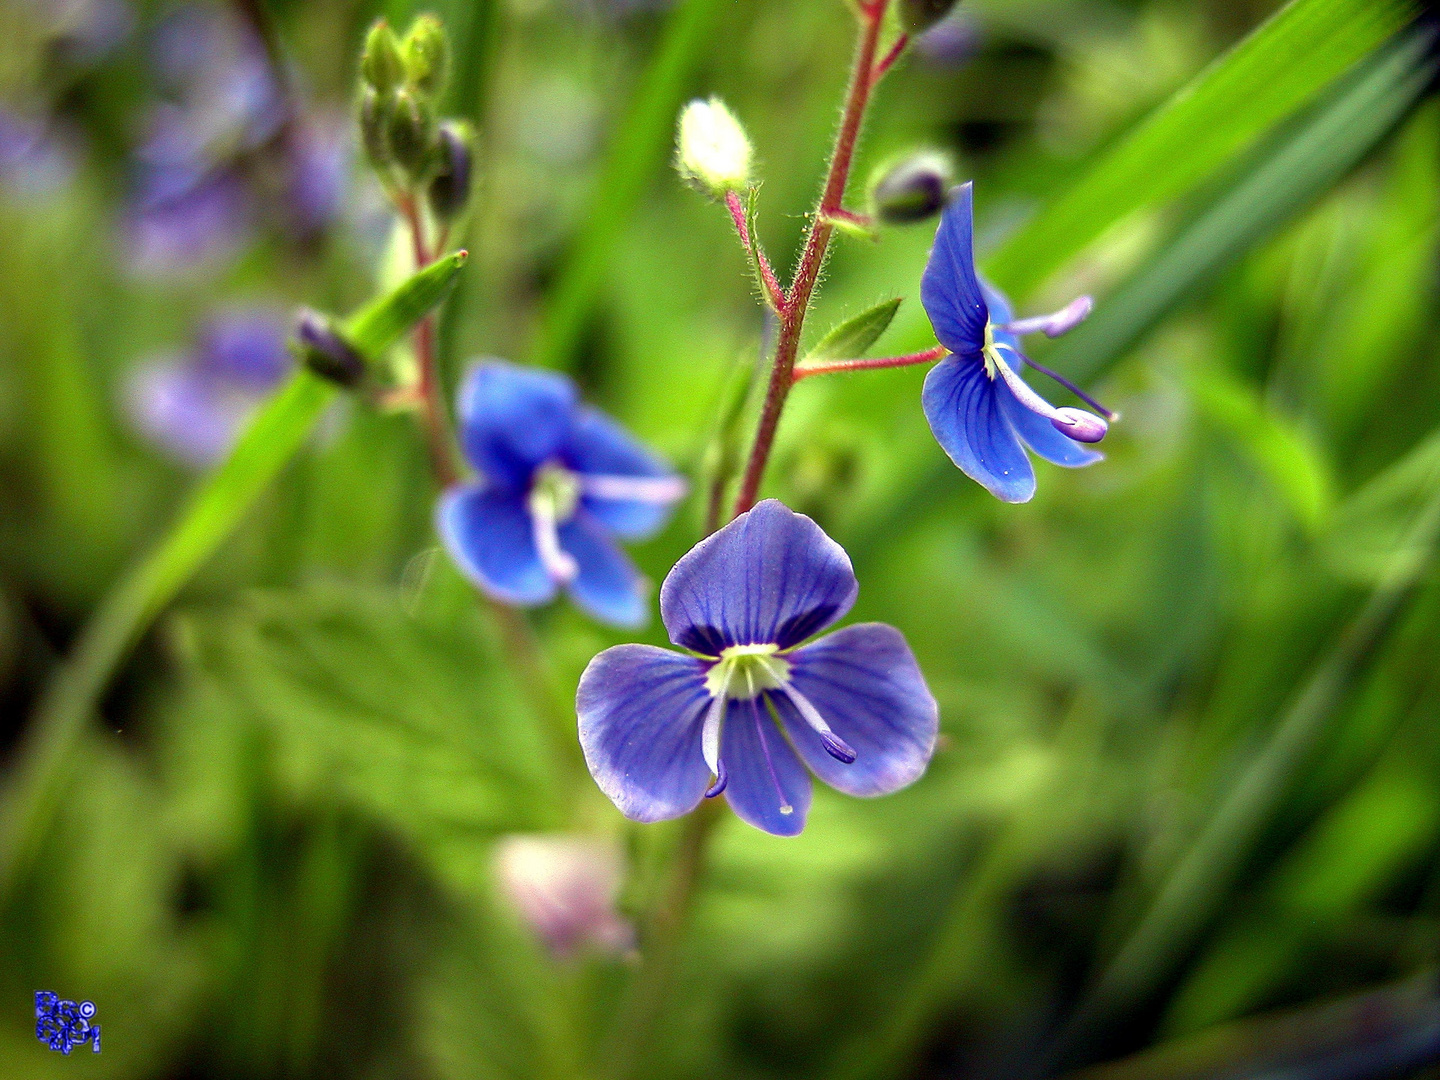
[927, 357]
[889, 59]
[434, 417]
[774, 293]
[807, 273]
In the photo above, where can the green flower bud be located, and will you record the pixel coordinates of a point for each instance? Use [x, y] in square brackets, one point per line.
[450, 190]
[380, 63]
[427, 55]
[917, 16]
[412, 134]
[912, 189]
[712, 151]
[375, 114]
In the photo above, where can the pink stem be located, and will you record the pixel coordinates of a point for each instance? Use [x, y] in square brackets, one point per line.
[889, 59]
[929, 356]
[776, 295]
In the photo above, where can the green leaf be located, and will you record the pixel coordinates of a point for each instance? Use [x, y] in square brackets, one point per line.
[383, 322]
[1369, 536]
[1225, 110]
[852, 337]
[1283, 452]
[412, 720]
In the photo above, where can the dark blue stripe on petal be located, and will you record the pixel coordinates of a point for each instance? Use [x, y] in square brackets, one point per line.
[864, 682]
[488, 534]
[641, 709]
[961, 403]
[762, 772]
[949, 289]
[770, 576]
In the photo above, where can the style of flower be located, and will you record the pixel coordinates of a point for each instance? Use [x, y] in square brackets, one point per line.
[192, 405]
[750, 701]
[982, 412]
[558, 482]
[565, 888]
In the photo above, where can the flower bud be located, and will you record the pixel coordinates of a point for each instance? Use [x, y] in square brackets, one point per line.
[375, 113]
[325, 352]
[917, 16]
[426, 52]
[712, 150]
[564, 888]
[912, 190]
[380, 65]
[412, 133]
[450, 190]
[1079, 425]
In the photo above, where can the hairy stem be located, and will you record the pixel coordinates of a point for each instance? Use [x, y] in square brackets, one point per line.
[774, 294]
[929, 356]
[434, 417]
[797, 301]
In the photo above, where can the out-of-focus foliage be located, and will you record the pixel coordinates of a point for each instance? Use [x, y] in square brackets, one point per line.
[1188, 696]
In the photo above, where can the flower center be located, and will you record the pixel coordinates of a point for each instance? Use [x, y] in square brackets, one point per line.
[554, 492]
[989, 352]
[744, 671]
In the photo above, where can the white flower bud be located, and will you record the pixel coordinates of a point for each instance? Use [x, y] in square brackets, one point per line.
[712, 150]
[564, 888]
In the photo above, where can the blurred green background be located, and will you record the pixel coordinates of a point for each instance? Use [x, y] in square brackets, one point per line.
[1185, 816]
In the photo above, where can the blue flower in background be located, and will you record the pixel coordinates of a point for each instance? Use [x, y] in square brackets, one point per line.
[192, 406]
[980, 409]
[558, 482]
[749, 701]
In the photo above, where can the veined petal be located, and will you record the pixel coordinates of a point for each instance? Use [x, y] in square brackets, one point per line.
[766, 784]
[950, 289]
[488, 534]
[771, 576]
[864, 681]
[962, 405]
[641, 709]
[514, 419]
[608, 586]
[600, 446]
[1041, 436]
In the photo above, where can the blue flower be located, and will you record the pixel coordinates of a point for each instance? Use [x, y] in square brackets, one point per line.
[981, 410]
[748, 702]
[558, 481]
[193, 405]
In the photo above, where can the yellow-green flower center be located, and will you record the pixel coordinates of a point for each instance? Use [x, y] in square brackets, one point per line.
[555, 491]
[989, 352]
[746, 670]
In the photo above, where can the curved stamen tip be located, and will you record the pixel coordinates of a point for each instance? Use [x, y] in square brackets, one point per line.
[721, 779]
[838, 748]
[1079, 425]
[1057, 322]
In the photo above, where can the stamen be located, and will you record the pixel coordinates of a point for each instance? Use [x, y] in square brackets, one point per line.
[710, 736]
[661, 490]
[558, 563]
[1056, 323]
[785, 807]
[835, 746]
[1068, 385]
[1078, 425]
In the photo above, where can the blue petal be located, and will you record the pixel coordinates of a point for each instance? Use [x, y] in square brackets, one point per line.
[949, 288]
[999, 305]
[641, 711]
[186, 411]
[488, 534]
[600, 445]
[963, 408]
[514, 419]
[1042, 436]
[771, 576]
[764, 774]
[608, 585]
[864, 682]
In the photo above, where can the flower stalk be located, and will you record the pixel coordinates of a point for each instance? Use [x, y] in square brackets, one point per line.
[795, 303]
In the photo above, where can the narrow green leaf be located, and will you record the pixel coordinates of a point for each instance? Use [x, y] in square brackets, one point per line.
[272, 437]
[1226, 109]
[381, 323]
[853, 336]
